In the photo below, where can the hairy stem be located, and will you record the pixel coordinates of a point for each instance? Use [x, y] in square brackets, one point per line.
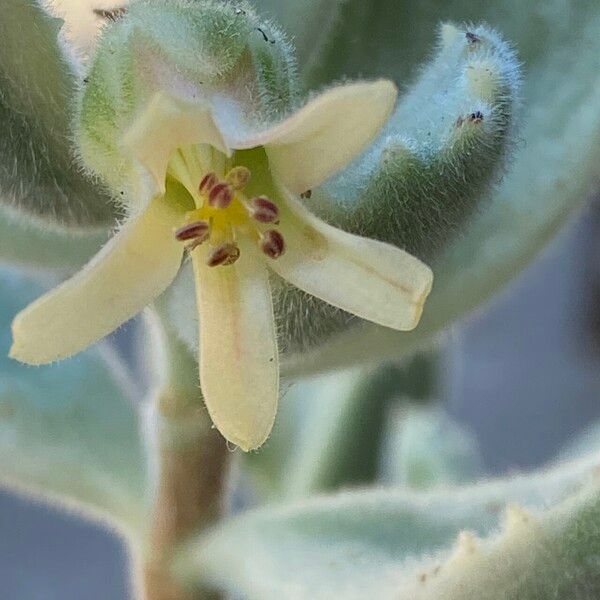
[190, 471]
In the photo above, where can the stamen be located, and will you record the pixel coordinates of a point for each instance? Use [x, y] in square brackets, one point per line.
[193, 231]
[221, 195]
[238, 178]
[223, 255]
[208, 182]
[264, 210]
[272, 243]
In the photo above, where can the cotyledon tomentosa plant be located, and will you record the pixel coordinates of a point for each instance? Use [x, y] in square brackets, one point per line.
[462, 120]
[420, 183]
[417, 199]
[191, 120]
[554, 164]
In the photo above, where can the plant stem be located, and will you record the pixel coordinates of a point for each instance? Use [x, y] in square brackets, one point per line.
[191, 468]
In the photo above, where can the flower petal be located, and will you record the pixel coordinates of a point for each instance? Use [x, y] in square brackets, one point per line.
[132, 269]
[326, 134]
[373, 280]
[239, 371]
[167, 123]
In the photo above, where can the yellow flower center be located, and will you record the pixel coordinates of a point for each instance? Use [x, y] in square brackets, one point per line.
[223, 211]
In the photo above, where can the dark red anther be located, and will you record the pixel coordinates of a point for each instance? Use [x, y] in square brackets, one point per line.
[198, 231]
[223, 255]
[221, 195]
[208, 182]
[264, 210]
[272, 243]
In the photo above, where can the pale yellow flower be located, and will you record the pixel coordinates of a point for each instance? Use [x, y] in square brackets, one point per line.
[232, 195]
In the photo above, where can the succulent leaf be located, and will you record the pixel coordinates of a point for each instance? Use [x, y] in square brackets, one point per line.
[329, 430]
[401, 545]
[310, 21]
[549, 176]
[420, 184]
[39, 175]
[68, 432]
[425, 447]
[32, 246]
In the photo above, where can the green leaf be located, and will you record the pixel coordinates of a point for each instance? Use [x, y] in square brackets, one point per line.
[420, 184]
[394, 544]
[68, 431]
[330, 430]
[425, 447]
[38, 173]
[549, 176]
[26, 244]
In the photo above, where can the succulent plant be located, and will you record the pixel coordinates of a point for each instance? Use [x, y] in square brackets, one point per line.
[107, 115]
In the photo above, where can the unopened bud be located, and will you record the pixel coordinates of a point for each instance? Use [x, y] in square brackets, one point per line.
[472, 38]
[476, 117]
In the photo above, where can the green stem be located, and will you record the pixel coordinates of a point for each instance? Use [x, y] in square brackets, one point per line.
[191, 462]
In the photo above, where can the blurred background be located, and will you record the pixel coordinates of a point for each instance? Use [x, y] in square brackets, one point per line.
[522, 375]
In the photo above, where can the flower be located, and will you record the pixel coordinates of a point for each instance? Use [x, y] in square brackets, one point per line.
[229, 195]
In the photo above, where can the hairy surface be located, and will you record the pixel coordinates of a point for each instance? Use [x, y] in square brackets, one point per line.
[39, 175]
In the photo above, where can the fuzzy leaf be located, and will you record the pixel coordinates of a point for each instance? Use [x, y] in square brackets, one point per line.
[419, 185]
[31, 246]
[38, 173]
[68, 431]
[329, 430]
[586, 442]
[368, 544]
[549, 176]
[425, 447]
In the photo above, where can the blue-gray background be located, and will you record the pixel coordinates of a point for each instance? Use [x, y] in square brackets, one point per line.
[523, 375]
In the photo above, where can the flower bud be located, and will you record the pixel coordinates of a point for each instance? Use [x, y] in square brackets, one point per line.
[197, 53]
